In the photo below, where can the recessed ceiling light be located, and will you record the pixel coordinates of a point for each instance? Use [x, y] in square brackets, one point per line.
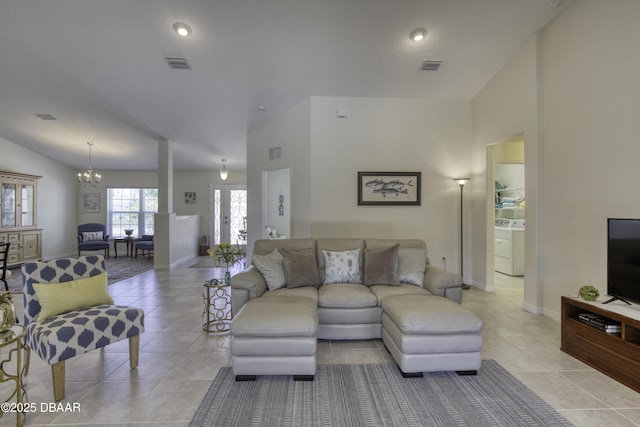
[418, 34]
[182, 29]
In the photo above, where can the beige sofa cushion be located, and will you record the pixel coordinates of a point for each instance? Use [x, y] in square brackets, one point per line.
[383, 291]
[265, 246]
[423, 314]
[305, 291]
[346, 295]
[277, 317]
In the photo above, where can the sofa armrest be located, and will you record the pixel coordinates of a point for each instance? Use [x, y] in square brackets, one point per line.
[249, 280]
[443, 283]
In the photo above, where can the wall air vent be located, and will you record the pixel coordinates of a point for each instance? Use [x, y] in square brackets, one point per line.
[429, 65]
[275, 153]
[177, 63]
[45, 116]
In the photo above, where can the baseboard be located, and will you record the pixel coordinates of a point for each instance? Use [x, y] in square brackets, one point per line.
[531, 308]
[481, 286]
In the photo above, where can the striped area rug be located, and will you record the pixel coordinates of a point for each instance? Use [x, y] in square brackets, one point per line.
[376, 395]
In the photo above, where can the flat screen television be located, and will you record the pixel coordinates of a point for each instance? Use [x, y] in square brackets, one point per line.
[623, 259]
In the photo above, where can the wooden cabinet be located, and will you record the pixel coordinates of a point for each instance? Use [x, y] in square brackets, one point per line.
[614, 354]
[18, 215]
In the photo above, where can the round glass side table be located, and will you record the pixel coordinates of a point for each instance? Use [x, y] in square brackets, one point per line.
[216, 316]
[13, 365]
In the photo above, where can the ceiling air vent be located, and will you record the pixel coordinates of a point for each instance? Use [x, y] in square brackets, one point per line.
[45, 116]
[428, 65]
[177, 63]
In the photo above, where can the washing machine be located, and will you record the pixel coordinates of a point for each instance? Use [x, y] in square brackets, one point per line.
[509, 246]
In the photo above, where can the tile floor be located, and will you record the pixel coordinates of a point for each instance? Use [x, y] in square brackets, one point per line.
[178, 361]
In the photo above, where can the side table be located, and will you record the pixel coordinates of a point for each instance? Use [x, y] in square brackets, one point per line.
[129, 241]
[12, 368]
[216, 316]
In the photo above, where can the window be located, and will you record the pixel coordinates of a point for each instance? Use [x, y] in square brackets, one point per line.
[131, 208]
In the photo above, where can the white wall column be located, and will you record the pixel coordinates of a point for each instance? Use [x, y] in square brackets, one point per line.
[165, 218]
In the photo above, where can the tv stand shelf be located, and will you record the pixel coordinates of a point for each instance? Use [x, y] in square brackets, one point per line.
[616, 355]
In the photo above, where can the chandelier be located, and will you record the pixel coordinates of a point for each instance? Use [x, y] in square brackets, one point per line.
[89, 177]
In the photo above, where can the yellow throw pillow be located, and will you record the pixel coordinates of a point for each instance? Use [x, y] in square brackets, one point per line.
[58, 298]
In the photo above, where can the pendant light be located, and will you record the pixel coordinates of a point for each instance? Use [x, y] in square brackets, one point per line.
[224, 173]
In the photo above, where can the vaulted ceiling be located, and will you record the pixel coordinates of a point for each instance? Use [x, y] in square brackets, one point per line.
[98, 67]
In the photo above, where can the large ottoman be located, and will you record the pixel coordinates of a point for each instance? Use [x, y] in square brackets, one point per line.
[426, 333]
[275, 336]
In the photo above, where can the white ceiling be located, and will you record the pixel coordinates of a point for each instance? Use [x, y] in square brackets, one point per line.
[98, 67]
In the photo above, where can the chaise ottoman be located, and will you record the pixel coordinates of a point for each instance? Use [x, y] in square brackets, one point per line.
[426, 333]
[275, 336]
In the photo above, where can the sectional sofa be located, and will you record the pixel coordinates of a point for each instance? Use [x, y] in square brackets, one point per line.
[299, 290]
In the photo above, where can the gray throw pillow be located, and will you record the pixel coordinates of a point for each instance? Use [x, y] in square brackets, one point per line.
[411, 266]
[381, 266]
[272, 270]
[300, 267]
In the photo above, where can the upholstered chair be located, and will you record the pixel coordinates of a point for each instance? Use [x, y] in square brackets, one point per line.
[68, 312]
[145, 244]
[93, 237]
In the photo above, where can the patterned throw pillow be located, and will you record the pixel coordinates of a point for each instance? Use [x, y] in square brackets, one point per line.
[342, 267]
[92, 236]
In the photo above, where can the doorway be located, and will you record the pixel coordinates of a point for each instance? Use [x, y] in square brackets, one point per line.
[229, 214]
[507, 198]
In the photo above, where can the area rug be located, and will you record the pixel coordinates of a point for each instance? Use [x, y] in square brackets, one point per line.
[375, 395]
[117, 269]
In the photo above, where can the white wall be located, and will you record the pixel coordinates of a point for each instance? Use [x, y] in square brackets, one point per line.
[379, 134]
[580, 78]
[290, 131]
[591, 110]
[57, 200]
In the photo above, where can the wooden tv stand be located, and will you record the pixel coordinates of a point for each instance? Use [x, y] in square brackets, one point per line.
[616, 355]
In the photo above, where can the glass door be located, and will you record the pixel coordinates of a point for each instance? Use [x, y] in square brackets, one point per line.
[27, 212]
[8, 208]
[229, 214]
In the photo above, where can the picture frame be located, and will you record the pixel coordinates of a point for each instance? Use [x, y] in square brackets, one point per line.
[190, 197]
[389, 188]
[91, 202]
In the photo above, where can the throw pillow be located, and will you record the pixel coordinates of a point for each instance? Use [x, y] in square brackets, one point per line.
[381, 266]
[272, 270]
[91, 236]
[58, 298]
[342, 267]
[300, 267]
[411, 265]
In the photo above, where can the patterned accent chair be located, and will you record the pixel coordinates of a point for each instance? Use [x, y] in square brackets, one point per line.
[144, 244]
[93, 237]
[63, 336]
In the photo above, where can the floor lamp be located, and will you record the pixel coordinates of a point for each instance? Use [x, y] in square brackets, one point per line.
[461, 182]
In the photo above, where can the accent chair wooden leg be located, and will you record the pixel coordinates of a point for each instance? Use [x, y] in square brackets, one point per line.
[57, 372]
[134, 347]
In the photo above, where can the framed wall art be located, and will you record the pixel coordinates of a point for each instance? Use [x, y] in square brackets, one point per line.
[91, 202]
[389, 188]
[190, 197]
